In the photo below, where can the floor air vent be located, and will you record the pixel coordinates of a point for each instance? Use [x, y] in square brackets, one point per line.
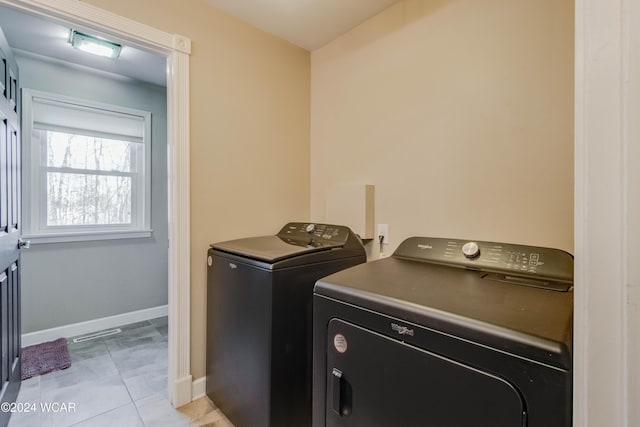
[97, 335]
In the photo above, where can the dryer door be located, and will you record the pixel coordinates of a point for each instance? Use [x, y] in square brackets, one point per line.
[373, 380]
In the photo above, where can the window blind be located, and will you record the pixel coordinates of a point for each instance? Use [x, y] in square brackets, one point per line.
[65, 116]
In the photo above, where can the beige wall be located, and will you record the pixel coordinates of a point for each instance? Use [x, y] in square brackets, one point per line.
[460, 112]
[249, 132]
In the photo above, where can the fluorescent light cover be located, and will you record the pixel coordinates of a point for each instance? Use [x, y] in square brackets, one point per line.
[95, 45]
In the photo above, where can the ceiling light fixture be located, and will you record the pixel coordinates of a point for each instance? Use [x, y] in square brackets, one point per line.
[95, 45]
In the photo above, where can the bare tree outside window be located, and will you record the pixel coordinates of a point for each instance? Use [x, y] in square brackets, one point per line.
[88, 179]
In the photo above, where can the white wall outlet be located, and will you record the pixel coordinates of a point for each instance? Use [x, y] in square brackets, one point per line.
[383, 230]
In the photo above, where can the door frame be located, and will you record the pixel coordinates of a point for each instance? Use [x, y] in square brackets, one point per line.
[607, 213]
[177, 48]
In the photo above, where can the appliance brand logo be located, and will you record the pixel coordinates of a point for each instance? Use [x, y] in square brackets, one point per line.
[425, 246]
[233, 266]
[402, 330]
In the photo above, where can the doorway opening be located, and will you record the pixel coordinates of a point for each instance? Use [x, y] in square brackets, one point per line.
[176, 50]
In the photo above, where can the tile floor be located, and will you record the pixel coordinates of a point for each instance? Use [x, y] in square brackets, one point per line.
[120, 380]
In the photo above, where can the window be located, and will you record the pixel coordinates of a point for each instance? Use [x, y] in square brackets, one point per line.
[86, 169]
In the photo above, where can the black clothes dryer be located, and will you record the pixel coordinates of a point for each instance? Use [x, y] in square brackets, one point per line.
[446, 333]
[259, 320]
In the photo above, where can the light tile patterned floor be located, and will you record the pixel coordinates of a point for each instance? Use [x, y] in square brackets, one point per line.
[120, 380]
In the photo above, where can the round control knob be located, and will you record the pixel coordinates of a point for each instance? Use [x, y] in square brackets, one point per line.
[471, 250]
[310, 228]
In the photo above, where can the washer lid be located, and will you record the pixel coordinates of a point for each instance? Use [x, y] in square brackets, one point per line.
[273, 248]
[294, 240]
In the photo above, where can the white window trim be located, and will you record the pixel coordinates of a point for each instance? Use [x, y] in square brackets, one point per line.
[33, 215]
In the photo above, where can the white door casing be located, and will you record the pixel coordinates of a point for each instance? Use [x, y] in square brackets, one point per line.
[607, 213]
[177, 49]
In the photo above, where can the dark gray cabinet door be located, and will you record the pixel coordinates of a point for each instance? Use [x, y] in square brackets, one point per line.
[10, 191]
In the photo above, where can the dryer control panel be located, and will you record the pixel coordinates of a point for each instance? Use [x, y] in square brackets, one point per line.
[517, 260]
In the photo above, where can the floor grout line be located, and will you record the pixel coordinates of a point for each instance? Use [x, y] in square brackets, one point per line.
[97, 415]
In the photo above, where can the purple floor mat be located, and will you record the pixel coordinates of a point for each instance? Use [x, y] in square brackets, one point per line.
[45, 357]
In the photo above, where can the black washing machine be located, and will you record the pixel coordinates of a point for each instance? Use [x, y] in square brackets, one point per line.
[259, 320]
[446, 333]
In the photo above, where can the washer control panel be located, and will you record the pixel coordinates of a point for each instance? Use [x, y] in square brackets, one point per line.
[490, 256]
[314, 234]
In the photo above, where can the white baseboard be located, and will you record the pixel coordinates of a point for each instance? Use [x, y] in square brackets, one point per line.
[94, 325]
[199, 388]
